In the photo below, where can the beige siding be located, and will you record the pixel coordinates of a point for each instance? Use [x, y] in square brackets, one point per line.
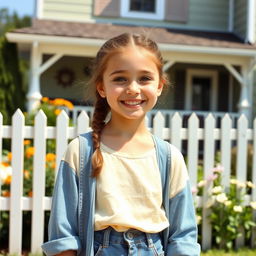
[240, 14]
[203, 14]
[68, 10]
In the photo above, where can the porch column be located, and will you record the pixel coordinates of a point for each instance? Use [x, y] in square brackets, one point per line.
[34, 96]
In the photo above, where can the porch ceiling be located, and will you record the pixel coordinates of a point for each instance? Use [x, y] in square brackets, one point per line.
[97, 33]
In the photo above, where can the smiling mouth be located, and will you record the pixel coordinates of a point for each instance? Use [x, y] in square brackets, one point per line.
[132, 102]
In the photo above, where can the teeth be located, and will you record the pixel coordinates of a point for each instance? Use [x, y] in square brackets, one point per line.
[132, 102]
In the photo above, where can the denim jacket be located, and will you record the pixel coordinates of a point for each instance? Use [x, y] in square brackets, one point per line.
[71, 224]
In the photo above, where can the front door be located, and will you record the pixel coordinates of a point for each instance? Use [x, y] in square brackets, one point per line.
[201, 90]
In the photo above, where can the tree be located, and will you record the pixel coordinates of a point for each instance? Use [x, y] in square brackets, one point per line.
[13, 69]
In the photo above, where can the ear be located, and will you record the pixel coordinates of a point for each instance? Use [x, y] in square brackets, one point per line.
[101, 91]
[160, 87]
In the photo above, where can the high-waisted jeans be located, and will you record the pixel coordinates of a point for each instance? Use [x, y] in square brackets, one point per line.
[109, 242]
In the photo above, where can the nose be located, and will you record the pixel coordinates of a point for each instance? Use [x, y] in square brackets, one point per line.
[133, 88]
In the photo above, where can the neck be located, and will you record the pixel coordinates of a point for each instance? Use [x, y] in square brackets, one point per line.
[127, 128]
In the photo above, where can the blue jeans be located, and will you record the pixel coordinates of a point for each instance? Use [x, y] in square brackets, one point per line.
[109, 242]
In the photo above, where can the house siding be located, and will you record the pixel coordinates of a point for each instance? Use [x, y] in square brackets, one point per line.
[203, 14]
[240, 16]
[67, 10]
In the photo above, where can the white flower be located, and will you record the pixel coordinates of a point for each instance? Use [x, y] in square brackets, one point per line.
[241, 184]
[237, 208]
[227, 203]
[233, 181]
[5, 172]
[221, 198]
[201, 183]
[250, 184]
[217, 190]
[198, 219]
[253, 205]
[210, 202]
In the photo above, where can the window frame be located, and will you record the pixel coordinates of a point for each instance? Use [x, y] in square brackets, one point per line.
[158, 15]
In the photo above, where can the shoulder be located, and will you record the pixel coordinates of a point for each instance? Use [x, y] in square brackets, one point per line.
[71, 155]
[178, 171]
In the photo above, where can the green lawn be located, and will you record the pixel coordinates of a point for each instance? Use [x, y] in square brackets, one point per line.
[242, 252]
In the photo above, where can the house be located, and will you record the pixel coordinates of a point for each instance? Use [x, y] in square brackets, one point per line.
[208, 46]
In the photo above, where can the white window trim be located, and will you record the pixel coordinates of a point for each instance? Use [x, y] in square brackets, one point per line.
[213, 75]
[158, 15]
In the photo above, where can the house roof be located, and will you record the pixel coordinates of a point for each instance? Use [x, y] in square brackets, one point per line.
[160, 35]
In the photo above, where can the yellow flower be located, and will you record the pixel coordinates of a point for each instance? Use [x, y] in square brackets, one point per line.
[50, 157]
[27, 142]
[30, 152]
[57, 102]
[5, 173]
[8, 180]
[217, 190]
[9, 155]
[57, 112]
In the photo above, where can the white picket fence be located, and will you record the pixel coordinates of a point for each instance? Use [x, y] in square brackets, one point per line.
[176, 134]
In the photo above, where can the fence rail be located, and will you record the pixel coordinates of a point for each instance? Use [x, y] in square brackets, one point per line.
[197, 144]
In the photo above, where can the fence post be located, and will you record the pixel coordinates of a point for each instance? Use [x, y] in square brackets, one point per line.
[226, 149]
[37, 229]
[15, 231]
[158, 124]
[175, 130]
[241, 161]
[209, 147]
[82, 123]
[61, 137]
[253, 243]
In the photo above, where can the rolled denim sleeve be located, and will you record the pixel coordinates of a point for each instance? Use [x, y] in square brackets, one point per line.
[63, 224]
[183, 228]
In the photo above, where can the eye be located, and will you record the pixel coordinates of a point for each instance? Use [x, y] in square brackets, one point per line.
[145, 79]
[120, 79]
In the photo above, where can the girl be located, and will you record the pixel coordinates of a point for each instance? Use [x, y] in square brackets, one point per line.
[118, 208]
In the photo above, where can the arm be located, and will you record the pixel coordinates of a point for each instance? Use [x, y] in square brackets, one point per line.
[183, 228]
[67, 253]
[63, 223]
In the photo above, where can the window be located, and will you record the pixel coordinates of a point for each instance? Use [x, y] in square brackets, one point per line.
[144, 9]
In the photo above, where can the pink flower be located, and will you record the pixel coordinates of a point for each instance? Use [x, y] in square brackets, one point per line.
[218, 169]
[212, 177]
[194, 190]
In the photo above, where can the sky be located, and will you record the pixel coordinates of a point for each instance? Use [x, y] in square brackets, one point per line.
[22, 7]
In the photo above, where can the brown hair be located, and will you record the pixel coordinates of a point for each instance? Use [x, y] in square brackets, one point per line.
[108, 49]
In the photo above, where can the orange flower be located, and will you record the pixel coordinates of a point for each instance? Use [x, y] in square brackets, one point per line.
[53, 165]
[27, 142]
[45, 99]
[57, 112]
[58, 102]
[8, 180]
[5, 164]
[6, 193]
[30, 193]
[50, 157]
[68, 104]
[26, 174]
[30, 152]
[9, 155]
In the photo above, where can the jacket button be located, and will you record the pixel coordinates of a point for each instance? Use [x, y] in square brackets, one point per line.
[129, 235]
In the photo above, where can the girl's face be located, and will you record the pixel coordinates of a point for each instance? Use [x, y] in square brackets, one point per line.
[131, 83]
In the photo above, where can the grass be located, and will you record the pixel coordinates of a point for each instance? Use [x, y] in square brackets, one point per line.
[241, 252]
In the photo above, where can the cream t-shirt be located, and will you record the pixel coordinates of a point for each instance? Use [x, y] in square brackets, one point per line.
[129, 190]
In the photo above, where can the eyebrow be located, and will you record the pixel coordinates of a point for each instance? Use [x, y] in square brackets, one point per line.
[123, 71]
